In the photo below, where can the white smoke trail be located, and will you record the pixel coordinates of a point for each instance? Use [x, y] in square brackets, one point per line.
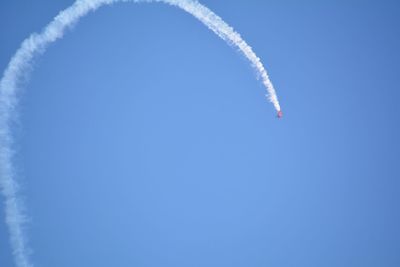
[19, 66]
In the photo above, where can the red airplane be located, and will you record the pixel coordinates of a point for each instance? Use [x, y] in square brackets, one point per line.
[280, 114]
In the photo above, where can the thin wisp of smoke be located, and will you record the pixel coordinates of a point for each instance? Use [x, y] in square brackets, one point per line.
[35, 45]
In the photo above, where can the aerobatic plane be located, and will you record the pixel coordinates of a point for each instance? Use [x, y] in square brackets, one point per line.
[280, 114]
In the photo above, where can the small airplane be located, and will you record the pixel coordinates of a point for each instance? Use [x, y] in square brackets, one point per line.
[279, 115]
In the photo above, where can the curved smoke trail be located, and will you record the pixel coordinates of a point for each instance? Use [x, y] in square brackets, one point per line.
[35, 45]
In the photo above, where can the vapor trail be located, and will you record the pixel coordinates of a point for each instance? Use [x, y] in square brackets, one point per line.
[35, 45]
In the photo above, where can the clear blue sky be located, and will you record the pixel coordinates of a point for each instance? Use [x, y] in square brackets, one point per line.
[146, 141]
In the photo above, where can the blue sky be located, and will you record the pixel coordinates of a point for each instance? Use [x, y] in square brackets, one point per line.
[145, 140]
